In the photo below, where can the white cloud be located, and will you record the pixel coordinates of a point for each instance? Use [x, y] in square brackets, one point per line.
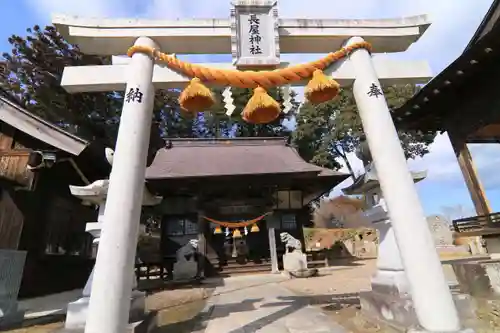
[440, 163]
[90, 8]
[454, 23]
[442, 167]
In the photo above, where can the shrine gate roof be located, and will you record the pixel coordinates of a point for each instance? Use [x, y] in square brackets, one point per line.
[190, 158]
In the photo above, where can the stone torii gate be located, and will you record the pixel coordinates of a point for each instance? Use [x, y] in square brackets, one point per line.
[252, 48]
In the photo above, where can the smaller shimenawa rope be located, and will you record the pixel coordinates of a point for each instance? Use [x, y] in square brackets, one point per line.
[248, 79]
[261, 107]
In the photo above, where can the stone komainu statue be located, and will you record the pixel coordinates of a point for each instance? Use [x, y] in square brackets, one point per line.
[188, 252]
[291, 243]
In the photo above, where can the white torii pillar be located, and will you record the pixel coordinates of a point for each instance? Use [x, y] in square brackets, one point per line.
[431, 295]
[112, 285]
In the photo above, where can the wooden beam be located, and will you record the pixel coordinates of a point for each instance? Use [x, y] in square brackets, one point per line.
[7, 133]
[487, 134]
[469, 172]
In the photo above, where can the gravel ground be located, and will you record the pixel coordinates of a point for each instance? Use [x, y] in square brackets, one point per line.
[336, 292]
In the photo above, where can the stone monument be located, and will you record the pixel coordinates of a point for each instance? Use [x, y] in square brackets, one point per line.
[11, 273]
[95, 194]
[443, 239]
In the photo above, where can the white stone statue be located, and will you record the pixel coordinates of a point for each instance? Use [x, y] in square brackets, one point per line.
[290, 242]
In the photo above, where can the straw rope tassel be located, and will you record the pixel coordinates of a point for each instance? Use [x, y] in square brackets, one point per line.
[196, 97]
[261, 108]
[320, 88]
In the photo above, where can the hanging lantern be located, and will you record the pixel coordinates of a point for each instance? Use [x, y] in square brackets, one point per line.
[255, 228]
[217, 230]
[236, 233]
[245, 230]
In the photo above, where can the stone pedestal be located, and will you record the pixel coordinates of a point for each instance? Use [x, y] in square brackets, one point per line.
[76, 316]
[11, 272]
[77, 312]
[185, 270]
[390, 299]
[294, 261]
[295, 265]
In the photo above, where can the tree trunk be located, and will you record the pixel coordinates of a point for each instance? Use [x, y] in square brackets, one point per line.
[349, 167]
[347, 163]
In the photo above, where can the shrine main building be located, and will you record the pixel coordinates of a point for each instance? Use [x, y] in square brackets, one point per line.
[261, 180]
[244, 190]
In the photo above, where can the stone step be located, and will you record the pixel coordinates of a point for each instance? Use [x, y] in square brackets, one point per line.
[234, 268]
[245, 270]
[316, 264]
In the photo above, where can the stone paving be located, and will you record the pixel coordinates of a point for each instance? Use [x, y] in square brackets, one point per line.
[260, 304]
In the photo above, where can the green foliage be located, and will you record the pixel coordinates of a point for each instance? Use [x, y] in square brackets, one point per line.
[32, 77]
[326, 133]
[219, 124]
[32, 74]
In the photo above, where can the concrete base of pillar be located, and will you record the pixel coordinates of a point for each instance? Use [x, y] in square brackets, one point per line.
[390, 302]
[76, 316]
[137, 327]
[468, 330]
[399, 313]
[11, 315]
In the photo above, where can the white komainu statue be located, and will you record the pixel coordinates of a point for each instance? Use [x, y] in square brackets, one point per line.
[291, 243]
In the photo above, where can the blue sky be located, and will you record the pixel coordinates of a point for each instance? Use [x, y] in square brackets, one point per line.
[454, 22]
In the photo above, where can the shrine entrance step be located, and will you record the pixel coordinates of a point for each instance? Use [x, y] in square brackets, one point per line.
[237, 267]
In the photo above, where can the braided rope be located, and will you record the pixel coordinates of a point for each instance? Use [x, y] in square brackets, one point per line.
[248, 79]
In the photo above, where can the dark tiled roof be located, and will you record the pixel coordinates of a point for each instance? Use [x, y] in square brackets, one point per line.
[445, 93]
[230, 157]
[489, 20]
[38, 128]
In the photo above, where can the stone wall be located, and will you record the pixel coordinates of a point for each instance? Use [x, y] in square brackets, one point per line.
[361, 243]
[481, 280]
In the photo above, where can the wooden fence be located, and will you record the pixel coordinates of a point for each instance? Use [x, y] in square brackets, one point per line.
[477, 223]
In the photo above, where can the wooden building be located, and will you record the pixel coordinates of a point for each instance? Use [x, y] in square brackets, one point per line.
[463, 100]
[234, 180]
[38, 161]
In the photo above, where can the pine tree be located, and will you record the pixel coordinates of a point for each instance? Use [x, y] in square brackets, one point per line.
[218, 124]
[31, 76]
